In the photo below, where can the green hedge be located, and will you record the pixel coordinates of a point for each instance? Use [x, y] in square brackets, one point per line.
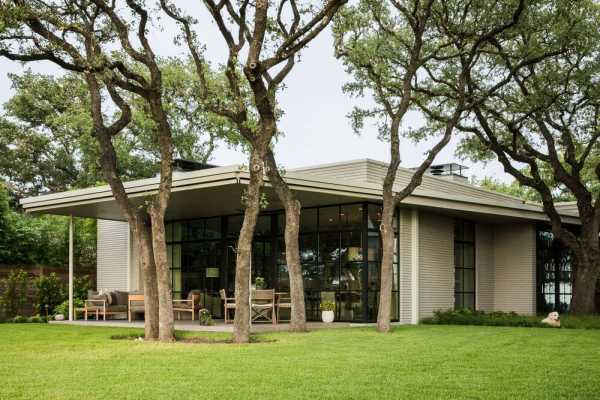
[36, 319]
[472, 317]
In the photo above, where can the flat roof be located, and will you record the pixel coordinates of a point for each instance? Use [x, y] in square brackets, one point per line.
[218, 190]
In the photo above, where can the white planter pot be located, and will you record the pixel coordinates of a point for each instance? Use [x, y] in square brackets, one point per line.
[327, 316]
[59, 317]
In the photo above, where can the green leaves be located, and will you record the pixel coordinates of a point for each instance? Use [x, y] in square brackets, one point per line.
[46, 141]
[42, 240]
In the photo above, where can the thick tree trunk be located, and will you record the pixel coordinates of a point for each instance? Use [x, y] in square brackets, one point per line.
[386, 274]
[158, 209]
[143, 240]
[241, 322]
[163, 278]
[292, 251]
[387, 262]
[586, 266]
[292, 256]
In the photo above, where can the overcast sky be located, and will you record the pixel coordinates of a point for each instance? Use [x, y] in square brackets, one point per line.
[315, 123]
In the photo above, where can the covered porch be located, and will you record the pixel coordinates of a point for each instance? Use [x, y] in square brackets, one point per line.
[204, 218]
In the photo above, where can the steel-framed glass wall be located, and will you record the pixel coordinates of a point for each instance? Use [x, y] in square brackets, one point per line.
[340, 252]
[553, 274]
[464, 264]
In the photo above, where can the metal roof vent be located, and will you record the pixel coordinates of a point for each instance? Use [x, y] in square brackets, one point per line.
[181, 165]
[450, 171]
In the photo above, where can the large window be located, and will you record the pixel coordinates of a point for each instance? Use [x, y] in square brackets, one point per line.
[464, 265]
[553, 274]
[340, 253]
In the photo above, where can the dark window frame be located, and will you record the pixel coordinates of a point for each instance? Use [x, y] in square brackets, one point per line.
[460, 295]
[276, 234]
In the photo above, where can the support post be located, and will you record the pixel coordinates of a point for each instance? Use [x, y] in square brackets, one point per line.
[71, 310]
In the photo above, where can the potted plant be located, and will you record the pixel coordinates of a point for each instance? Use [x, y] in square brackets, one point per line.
[327, 309]
[259, 283]
[204, 317]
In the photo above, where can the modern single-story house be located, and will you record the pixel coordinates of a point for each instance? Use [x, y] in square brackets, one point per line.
[458, 245]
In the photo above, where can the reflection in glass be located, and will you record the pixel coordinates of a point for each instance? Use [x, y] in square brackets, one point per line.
[329, 218]
[374, 250]
[212, 229]
[464, 264]
[351, 216]
[374, 219]
[350, 306]
[308, 220]
[234, 225]
[263, 226]
[374, 268]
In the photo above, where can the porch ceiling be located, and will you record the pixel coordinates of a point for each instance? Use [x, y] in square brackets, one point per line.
[194, 203]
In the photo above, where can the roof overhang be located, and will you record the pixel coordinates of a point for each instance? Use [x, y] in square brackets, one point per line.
[218, 191]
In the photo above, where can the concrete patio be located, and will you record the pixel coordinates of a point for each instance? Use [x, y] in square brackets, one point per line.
[219, 326]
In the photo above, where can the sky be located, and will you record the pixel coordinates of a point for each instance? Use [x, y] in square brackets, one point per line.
[315, 124]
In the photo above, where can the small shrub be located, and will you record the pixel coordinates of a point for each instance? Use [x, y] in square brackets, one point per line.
[204, 317]
[14, 295]
[36, 319]
[50, 292]
[63, 308]
[327, 306]
[81, 285]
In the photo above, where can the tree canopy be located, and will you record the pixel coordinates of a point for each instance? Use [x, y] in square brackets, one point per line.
[46, 141]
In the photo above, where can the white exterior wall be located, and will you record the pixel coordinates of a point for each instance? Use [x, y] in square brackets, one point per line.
[113, 255]
[484, 267]
[405, 266]
[514, 268]
[436, 263]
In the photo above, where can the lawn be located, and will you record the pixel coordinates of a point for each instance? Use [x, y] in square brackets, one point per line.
[67, 362]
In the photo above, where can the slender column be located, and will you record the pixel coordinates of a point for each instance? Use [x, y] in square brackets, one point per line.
[71, 268]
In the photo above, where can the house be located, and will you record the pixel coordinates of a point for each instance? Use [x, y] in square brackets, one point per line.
[458, 245]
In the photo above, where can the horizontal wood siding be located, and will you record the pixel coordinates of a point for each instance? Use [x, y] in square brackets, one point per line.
[351, 171]
[112, 253]
[436, 273]
[371, 171]
[376, 172]
[405, 266]
[484, 267]
[437, 184]
[514, 268]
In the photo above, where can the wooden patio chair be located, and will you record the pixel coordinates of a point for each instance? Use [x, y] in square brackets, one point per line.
[135, 303]
[263, 306]
[94, 306]
[191, 304]
[284, 300]
[228, 304]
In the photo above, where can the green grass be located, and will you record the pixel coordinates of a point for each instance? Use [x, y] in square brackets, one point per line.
[44, 361]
